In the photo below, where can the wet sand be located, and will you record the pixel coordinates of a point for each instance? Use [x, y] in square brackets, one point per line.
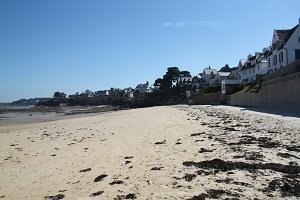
[178, 152]
[24, 115]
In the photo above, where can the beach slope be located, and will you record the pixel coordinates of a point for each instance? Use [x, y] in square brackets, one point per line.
[168, 152]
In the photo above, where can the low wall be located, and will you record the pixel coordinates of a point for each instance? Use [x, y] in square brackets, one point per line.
[282, 92]
[287, 70]
[211, 99]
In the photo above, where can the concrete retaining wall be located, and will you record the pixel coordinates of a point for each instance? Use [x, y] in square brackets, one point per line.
[209, 99]
[282, 92]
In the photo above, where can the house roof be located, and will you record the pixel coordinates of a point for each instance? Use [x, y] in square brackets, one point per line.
[208, 71]
[285, 35]
[282, 34]
[266, 53]
[252, 58]
[224, 74]
[241, 62]
[247, 65]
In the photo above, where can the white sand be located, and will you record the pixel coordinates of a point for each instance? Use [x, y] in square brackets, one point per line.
[44, 159]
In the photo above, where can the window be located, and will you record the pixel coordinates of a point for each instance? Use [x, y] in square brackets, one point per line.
[269, 62]
[299, 39]
[253, 70]
[257, 67]
[280, 57]
[275, 60]
[297, 54]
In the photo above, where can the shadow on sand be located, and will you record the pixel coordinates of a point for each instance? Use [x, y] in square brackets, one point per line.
[276, 111]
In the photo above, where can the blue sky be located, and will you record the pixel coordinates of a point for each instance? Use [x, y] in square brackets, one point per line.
[74, 45]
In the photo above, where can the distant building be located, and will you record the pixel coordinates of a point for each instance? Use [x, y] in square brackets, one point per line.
[101, 93]
[235, 74]
[89, 93]
[129, 93]
[59, 95]
[185, 80]
[254, 66]
[143, 88]
[208, 75]
[197, 82]
[220, 76]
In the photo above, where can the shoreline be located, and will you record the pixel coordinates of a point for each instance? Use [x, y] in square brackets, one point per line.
[38, 115]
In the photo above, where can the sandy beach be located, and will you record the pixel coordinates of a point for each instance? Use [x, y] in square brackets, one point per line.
[168, 152]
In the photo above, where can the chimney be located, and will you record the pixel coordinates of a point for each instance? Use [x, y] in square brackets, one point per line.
[299, 21]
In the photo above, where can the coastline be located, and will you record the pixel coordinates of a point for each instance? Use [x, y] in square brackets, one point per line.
[27, 115]
[167, 152]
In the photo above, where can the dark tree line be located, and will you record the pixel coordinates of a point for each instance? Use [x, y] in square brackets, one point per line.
[168, 90]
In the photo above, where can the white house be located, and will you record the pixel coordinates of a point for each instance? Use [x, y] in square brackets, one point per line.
[254, 66]
[220, 76]
[235, 74]
[185, 80]
[247, 71]
[261, 66]
[209, 74]
[285, 48]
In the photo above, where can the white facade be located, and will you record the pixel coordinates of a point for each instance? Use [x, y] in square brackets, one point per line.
[236, 73]
[285, 48]
[255, 65]
[293, 46]
[208, 74]
[248, 74]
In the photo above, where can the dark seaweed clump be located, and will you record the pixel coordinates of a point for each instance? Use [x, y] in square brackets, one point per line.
[100, 178]
[189, 177]
[197, 134]
[163, 142]
[85, 170]
[116, 182]
[96, 193]
[287, 187]
[213, 194]
[230, 165]
[55, 197]
[128, 196]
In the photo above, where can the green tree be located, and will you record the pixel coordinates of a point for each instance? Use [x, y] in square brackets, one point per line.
[172, 75]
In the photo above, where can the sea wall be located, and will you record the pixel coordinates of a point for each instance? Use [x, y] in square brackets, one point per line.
[209, 99]
[282, 92]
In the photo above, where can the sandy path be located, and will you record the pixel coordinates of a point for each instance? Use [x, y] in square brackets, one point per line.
[140, 153]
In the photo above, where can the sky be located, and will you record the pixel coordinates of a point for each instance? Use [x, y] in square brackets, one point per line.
[74, 45]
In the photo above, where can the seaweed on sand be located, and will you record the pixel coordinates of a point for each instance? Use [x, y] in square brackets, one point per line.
[230, 165]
